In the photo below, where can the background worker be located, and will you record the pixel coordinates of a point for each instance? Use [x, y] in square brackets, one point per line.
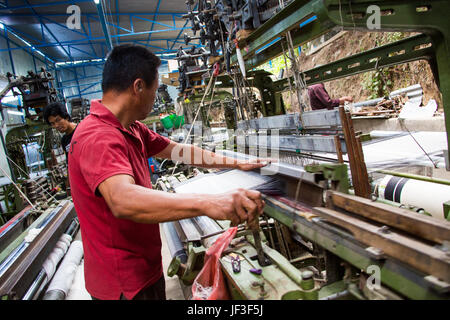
[320, 99]
[56, 115]
[118, 210]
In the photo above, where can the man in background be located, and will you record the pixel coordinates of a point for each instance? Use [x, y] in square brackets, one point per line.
[56, 115]
[320, 99]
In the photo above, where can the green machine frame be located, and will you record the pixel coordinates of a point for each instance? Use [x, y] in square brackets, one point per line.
[424, 16]
[16, 136]
[432, 45]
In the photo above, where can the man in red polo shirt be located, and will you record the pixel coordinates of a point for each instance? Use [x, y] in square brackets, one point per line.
[111, 187]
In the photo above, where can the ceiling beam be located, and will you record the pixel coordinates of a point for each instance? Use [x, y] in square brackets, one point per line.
[153, 22]
[101, 15]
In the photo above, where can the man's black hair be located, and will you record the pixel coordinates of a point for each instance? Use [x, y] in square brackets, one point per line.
[125, 64]
[56, 109]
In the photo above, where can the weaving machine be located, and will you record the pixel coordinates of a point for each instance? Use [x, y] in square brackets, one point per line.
[333, 233]
[320, 243]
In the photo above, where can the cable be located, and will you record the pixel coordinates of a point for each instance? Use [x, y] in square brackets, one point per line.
[402, 124]
[351, 14]
[210, 102]
[105, 18]
[17, 187]
[30, 177]
[340, 13]
[195, 118]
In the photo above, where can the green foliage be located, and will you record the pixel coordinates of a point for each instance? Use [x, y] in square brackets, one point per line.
[379, 82]
[276, 64]
[377, 86]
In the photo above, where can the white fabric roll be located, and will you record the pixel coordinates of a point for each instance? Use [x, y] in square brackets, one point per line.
[78, 289]
[56, 255]
[64, 275]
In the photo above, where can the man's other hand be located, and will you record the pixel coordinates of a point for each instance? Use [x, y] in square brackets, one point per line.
[238, 206]
[254, 164]
[346, 99]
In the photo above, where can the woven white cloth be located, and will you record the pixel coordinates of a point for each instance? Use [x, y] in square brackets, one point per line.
[64, 276]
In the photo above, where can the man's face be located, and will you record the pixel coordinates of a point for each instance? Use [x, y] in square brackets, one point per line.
[147, 98]
[59, 123]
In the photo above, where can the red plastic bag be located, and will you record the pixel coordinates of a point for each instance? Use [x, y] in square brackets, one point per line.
[210, 283]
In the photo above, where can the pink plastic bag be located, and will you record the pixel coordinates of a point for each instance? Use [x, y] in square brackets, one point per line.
[210, 283]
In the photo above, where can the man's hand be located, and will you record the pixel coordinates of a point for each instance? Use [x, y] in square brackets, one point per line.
[238, 206]
[346, 98]
[253, 164]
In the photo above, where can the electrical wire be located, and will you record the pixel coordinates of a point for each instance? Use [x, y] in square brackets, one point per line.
[112, 22]
[402, 123]
[18, 188]
[104, 17]
[340, 13]
[195, 117]
[30, 177]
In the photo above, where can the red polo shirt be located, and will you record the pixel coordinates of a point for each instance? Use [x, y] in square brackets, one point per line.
[120, 256]
[319, 98]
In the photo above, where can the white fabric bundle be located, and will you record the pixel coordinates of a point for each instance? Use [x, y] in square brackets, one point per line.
[78, 290]
[63, 278]
[56, 255]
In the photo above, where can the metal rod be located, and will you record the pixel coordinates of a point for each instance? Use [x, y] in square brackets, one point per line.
[259, 250]
[35, 286]
[38, 284]
[414, 176]
[336, 295]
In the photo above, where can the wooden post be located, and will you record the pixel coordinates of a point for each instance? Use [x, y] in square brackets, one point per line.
[337, 142]
[350, 151]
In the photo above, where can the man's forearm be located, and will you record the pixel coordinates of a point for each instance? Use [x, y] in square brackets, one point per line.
[190, 154]
[143, 205]
[127, 200]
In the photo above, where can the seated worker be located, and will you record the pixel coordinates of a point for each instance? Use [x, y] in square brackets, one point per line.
[319, 98]
[56, 115]
[118, 210]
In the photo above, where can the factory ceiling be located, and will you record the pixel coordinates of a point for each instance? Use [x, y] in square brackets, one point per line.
[86, 29]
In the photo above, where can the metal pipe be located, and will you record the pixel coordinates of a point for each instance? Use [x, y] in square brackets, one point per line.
[73, 228]
[336, 296]
[12, 257]
[41, 280]
[414, 176]
[101, 16]
[174, 243]
[35, 286]
[189, 229]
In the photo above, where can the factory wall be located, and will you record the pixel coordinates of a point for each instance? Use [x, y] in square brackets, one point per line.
[82, 81]
[23, 60]
[85, 81]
